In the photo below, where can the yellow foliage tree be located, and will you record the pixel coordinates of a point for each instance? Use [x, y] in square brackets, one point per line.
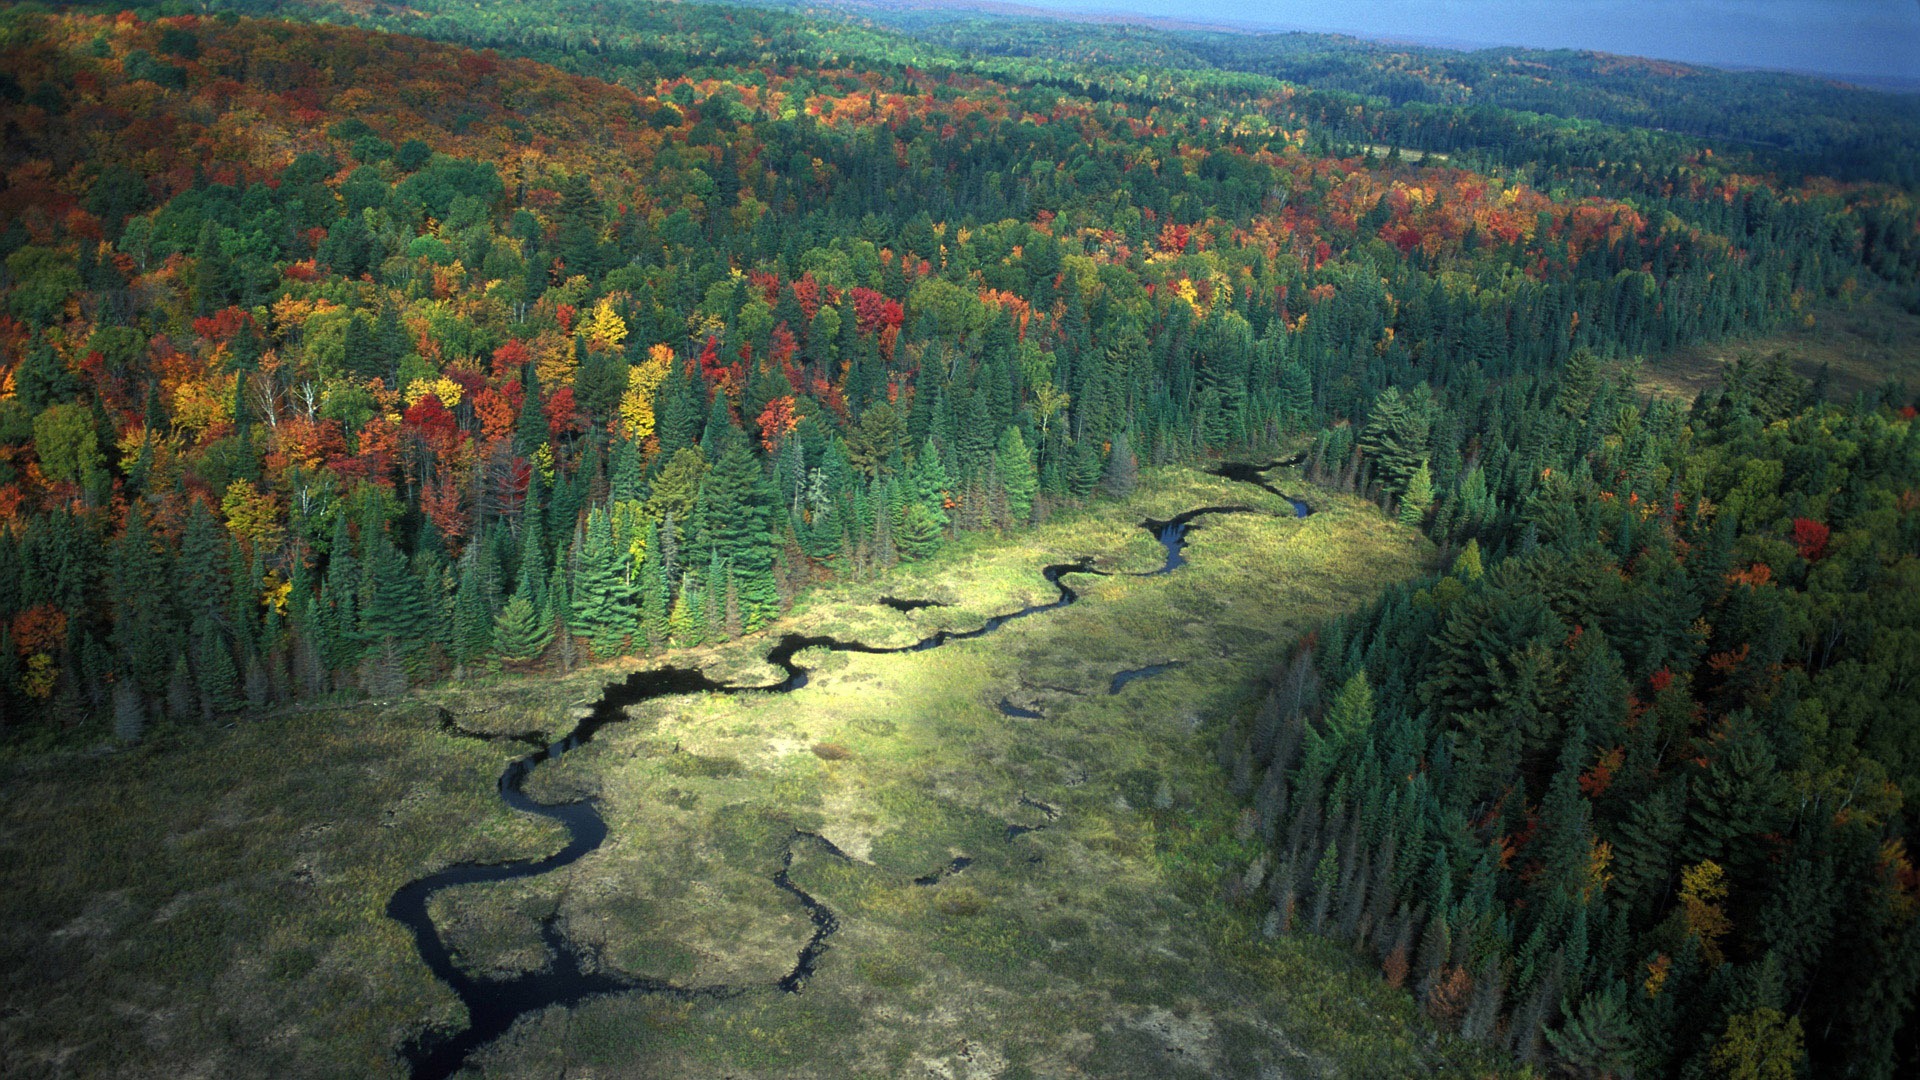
[1702, 888]
[1759, 1045]
[606, 329]
[636, 406]
[443, 388]
[252, 515]
[553, 358]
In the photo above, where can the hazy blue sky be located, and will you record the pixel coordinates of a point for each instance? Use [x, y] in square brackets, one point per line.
[1859, 37]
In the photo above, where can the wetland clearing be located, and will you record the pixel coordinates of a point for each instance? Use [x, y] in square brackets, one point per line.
[832, 849]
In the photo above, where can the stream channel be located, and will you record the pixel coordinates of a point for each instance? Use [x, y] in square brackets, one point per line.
[495, 1002]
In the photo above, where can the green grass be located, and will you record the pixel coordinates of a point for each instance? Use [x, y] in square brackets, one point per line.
[212, 901]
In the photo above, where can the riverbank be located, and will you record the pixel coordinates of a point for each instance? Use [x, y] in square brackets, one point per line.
[214, 902]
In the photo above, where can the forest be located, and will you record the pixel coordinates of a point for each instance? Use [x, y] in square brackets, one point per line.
[352, 348]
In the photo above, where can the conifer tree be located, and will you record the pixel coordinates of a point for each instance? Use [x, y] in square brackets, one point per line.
[144, 630]
[1418, 498]
[472, 621]
[396, 612]
[739, 503]
[214, 673]
[1123, 469]
[1084, 470]
[1018, 477]
[203, 576]
[604, 597]
[687, 625]
[521, 632]
[655, 600]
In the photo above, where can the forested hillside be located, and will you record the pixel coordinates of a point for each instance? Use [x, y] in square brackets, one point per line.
[1431, 94]
[341, 360]
[572, 362]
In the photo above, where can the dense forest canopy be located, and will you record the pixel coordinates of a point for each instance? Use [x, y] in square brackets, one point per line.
[338, 359]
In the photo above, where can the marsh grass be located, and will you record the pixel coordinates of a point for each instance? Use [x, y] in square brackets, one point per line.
[214, 900]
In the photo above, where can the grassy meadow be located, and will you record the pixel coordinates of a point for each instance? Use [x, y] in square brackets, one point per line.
[211, 902]
[1863, 344]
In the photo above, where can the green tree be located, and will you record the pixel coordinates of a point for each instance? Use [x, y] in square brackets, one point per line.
[473, 631]
[1013, 461]
[604, 595]
[69, 447]
[43, 279]
[395, 614]
[521, 631]
[1122, 473]
[1395, 437]
[1418, 498]
[739, 511]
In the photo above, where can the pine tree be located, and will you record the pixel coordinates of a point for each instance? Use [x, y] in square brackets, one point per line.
[215, 675]
[1578, 382]
[203, 575]
[1351, 714]
[1418, 498]
[1084, 469]
[396, 611]
[521, 631]
[472, 620]
[1395, 438]
[932, 485]
[739, 512]
[656, 601]
[1018, 476]
[714, 593]
[144, 630]
[604, 597]
[915, 530]
[1123, 469]
[687, 625]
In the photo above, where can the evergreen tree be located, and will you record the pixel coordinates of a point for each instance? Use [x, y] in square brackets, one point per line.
[687, 625]
[396, 614]
[1122, 474]
[655, 600]
[521, 631]
[1418, 498]
[215, 676]
[144, 630]
[1395, 438]
[738, 503]
[473, 632]
[604, 596]
[1019, 479]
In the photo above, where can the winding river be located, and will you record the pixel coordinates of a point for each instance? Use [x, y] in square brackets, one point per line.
[495, 1002]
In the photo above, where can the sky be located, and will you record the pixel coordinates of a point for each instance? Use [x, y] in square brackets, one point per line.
[1873, 38]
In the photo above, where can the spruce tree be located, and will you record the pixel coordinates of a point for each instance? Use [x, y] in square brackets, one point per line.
[521, 631]
[604, 596]
[687, 625]
[396, 602]
[739, 511]
[656, 601]
[472, 621]
[1084, 470]
[215, 676]
[1018, 476]
[1123, 469]
[144, 630]
[1418, 498]
[203, 575]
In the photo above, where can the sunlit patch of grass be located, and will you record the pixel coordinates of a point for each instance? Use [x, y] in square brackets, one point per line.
[273, 848]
